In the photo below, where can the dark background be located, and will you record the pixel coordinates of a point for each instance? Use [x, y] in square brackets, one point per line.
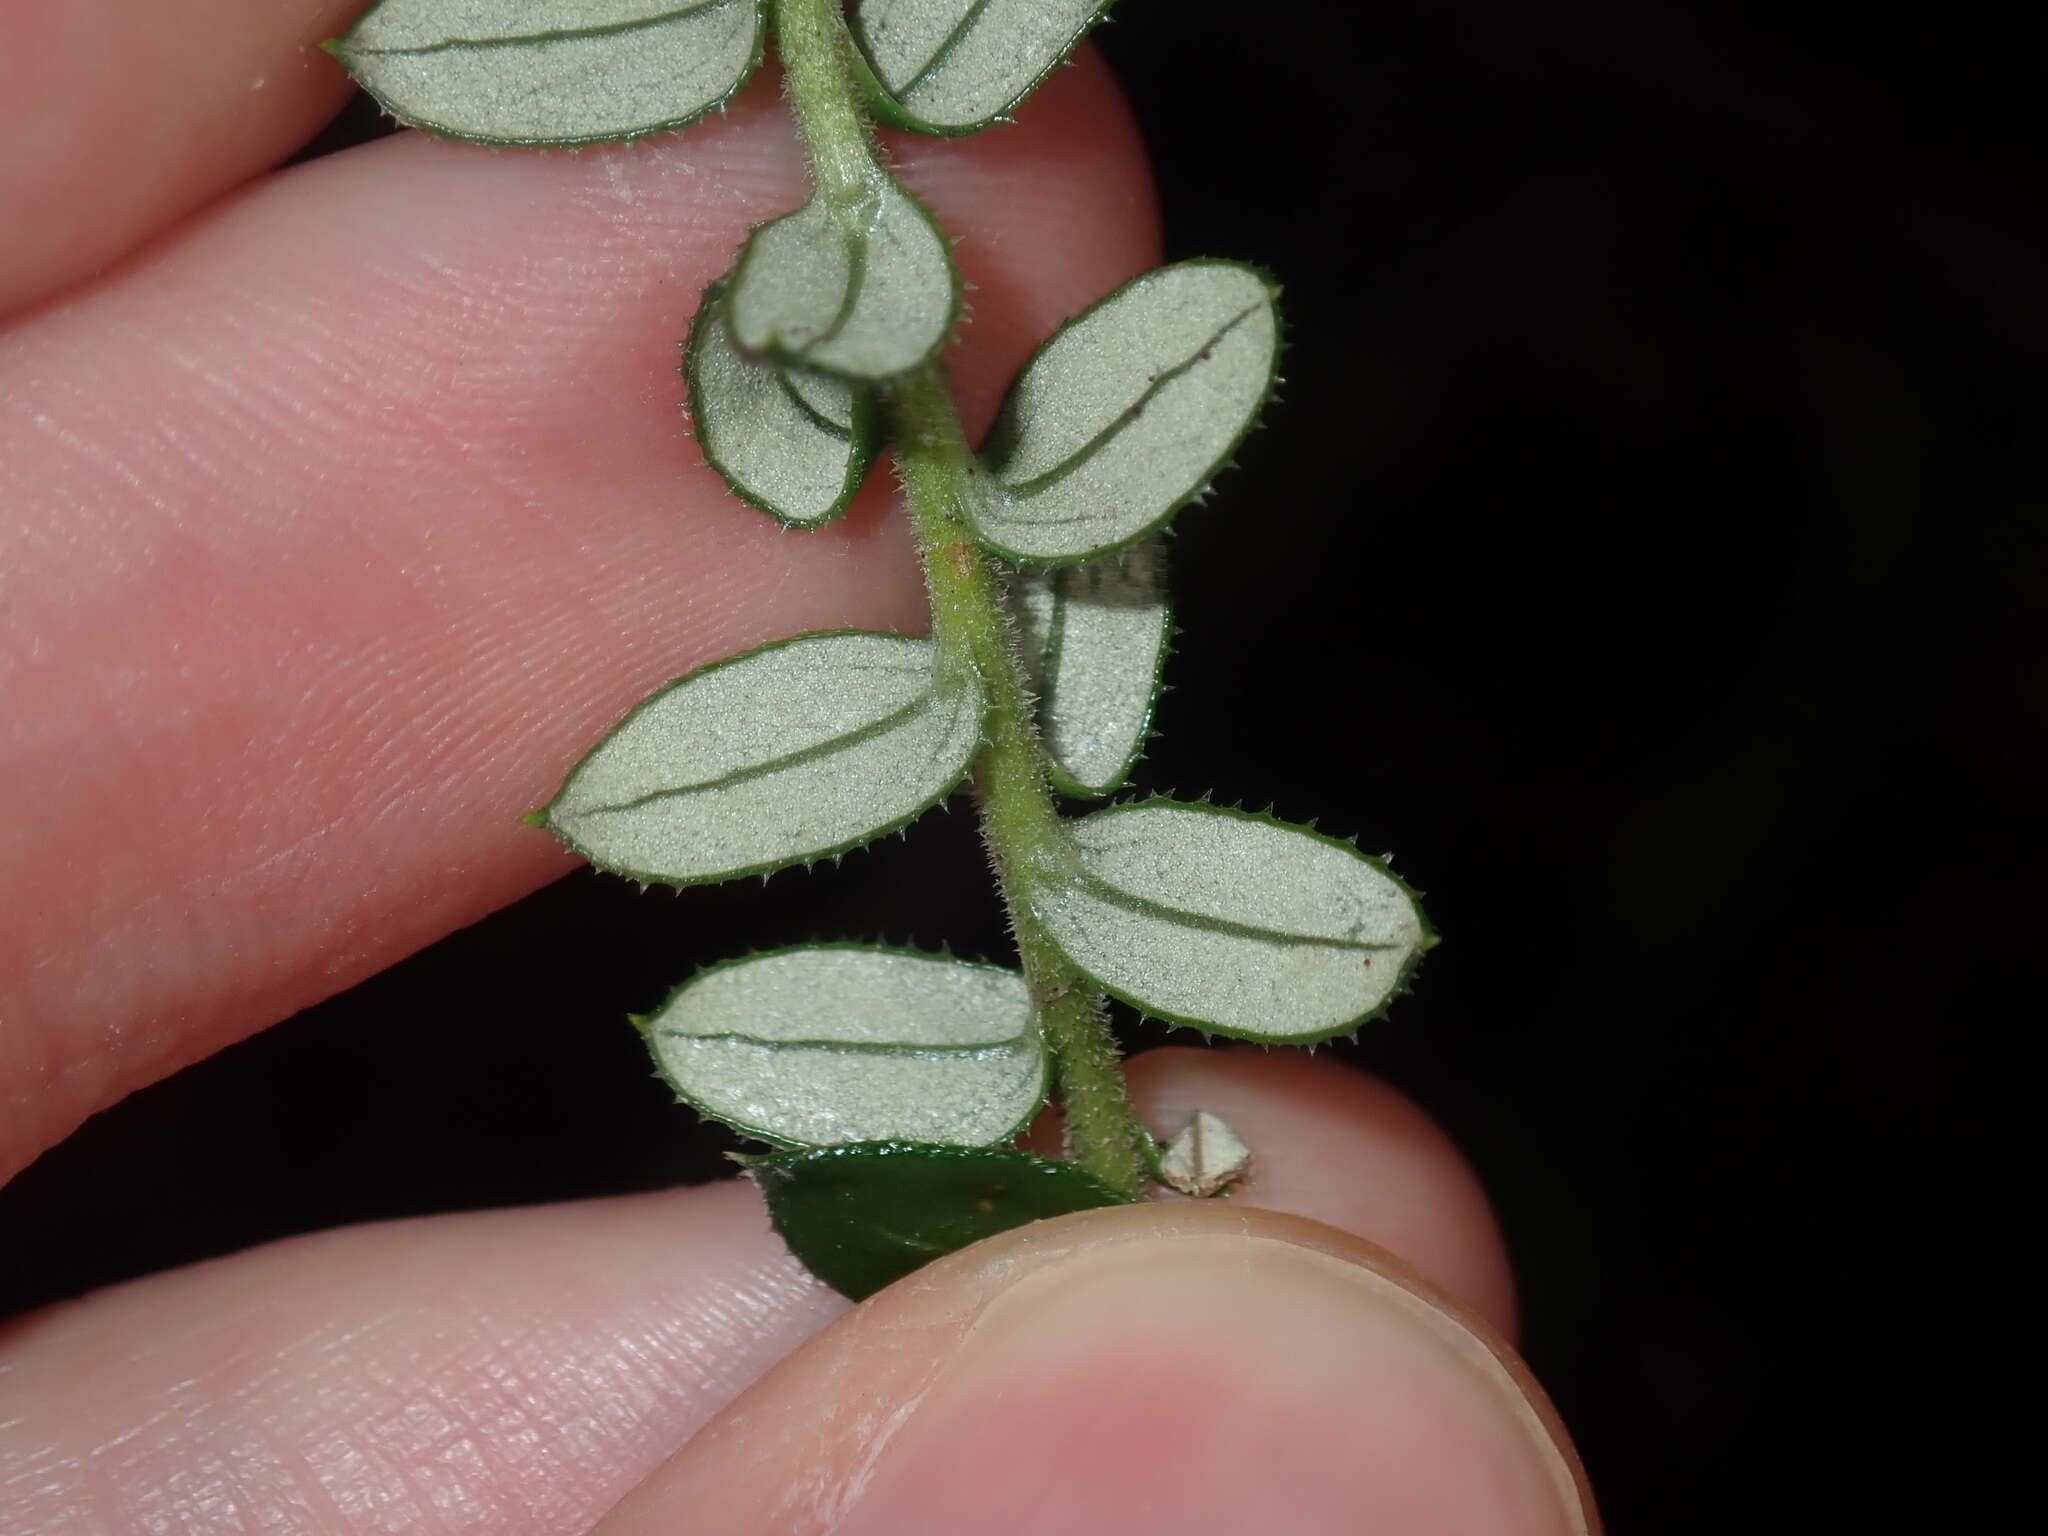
[1647, 550]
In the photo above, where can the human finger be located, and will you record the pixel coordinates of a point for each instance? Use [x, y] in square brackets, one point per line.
[337, 529]
[505, 1371]
[1344, 1149]
[116, 120]
[521, 1371]
[1182, 1369]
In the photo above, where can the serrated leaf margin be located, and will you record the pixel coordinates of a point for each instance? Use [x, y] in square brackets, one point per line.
[890, 111]
[866, 440]
[544, 817]
[643, 1023]
[987, 478]
[953, 298]
[1210, 1030]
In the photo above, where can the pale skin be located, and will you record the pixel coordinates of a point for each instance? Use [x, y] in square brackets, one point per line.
[340, 508]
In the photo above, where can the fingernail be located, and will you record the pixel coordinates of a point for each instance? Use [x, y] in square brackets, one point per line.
[1216, 1383]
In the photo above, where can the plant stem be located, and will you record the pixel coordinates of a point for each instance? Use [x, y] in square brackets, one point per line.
[817, 74]
[1027, 840]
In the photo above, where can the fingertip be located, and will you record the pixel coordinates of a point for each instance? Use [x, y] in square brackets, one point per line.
[116, 120]
[1343, 1148]
[408, 415]
[504, 1370]
[1184, 1369]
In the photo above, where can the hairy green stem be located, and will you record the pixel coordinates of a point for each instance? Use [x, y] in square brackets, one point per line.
[1027, 841]
[818, 75]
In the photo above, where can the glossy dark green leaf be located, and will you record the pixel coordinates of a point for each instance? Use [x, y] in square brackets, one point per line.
[864, 1215]
[552, 72]
[955, 66]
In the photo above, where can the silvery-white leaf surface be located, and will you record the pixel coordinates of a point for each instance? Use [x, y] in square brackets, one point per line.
[1231, 922]
[793, 443]
[820, 1046]
[862, 288]
[552, 71]
[1094, 637]
[953, 66]
[1125, 414]
[778, 756]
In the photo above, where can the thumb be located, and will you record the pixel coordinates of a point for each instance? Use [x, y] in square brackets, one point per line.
[1173, 1368]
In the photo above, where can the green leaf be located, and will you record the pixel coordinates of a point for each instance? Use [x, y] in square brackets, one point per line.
[864, 1215]
[1095, 639]
[1125, 414]
[553, 71]
[956, 66]
[1233, 923]
[779, 756]
[862, 288]
[836, 1043]
[793, 443]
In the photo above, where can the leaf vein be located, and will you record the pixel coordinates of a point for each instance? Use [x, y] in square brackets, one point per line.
[821, 749]
[810, 413]
[559, 35]
[948, 45]
[1025, 489]
[850, 1047]
[856, 283]
[1144, 906]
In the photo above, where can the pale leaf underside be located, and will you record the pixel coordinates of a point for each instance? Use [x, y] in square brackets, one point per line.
[553, 71]
[1232, 923]
[820, 1046]
[779, 756]
[1095, 637]
[863, 288]
[952, 66]
[1125, 414]
[793, 443]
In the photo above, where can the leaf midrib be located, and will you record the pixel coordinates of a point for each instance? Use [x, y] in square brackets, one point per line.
[1024, 490]
[847, 739]
[809, 412]
[849, 1047]
[948, 45]
[1144, 906]
[538, 39]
